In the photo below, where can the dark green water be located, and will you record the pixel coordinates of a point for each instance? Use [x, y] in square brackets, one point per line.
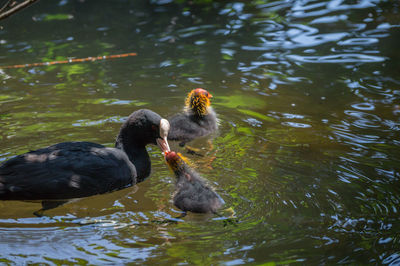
[308, 151]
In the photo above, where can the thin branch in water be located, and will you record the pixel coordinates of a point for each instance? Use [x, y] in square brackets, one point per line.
[15, 8]
[5, 6]
[72, 60]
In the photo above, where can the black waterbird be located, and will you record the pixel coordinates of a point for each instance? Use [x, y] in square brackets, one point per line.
[80, 169]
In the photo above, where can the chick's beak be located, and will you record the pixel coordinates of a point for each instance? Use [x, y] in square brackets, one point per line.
[209, 95]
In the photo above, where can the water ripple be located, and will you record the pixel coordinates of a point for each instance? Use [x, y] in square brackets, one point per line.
[358, 41]
[267, 27]
[88, 122]
[364, 120]
[363, 106]
[339, 58]
[297, 35]
[355, 139]
[302, 8]
[329, 19]
[393, 259]
[295, 124]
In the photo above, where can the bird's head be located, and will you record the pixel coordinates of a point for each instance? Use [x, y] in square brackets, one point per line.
[175, 161]
[198, 100]
[145, 127]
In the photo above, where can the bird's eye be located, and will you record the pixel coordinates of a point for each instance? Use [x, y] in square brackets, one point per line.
[153, 127]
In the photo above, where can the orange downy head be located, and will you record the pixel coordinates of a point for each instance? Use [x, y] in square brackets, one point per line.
[198, 100]
[175, 160]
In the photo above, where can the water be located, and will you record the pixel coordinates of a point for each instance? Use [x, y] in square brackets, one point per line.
[307, 154]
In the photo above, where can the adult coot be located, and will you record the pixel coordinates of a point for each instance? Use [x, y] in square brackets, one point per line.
[80, 169]
[198, 118]
[192, 192]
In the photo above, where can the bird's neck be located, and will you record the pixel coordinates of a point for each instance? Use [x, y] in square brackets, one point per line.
[185, 174]
[198, 112]
[208, 116]
[198, 108]
[137, 154]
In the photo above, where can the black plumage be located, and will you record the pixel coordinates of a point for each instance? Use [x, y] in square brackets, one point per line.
[198, 118]
[80, 169]
[65, 170]
[192, 193]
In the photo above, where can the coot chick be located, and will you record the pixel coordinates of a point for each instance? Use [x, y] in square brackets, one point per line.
[80, 169]
[198, 118]
[191, 192]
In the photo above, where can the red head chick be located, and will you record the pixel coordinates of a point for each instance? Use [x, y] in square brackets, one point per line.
[192, 193]
[175, 161]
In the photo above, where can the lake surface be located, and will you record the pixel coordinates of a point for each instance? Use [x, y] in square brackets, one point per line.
[308, 150]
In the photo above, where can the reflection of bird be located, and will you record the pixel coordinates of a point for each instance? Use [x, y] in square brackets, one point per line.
[80, 169]
[192, 193]
[197, 120]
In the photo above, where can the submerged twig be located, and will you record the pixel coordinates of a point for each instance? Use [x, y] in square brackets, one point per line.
[14, 9]
[73, 60]
[8, 3]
